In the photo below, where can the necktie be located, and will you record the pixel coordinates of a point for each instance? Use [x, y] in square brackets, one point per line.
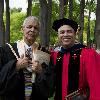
[28, 75]
[29, 53]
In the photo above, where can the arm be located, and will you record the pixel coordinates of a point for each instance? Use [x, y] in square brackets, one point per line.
[93, 74]
[45, 80]
[8, 73]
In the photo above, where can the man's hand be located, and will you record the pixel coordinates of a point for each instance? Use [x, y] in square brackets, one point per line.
[36, 67]
[22, 62]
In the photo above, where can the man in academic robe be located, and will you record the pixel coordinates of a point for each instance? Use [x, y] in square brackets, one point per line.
[77, 68]
[22, 77]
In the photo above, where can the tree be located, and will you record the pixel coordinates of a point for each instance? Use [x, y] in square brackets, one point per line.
[45, 19]
[15, 29]
[90, 6]
[35, 9]
[70, 9]
[1, 22]
[62, 8]
[49, 21]
[29, 9]
[88, 30]
[97, 31]
[7, 33]
[14, 10]
[82, 6]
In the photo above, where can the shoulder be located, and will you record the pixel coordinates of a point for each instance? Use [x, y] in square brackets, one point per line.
[86, 49]
[89, 52]
[79, 45]
[7, 46]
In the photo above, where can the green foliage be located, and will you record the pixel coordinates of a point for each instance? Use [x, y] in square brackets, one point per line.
[92, 28]
[55, 10]
[55, 15]
[76, 11]
[16, 20]
[91, 5]
[13, 10]
[35, 9]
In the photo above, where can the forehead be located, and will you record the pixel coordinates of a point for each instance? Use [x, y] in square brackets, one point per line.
[65, 27]
[31, 22]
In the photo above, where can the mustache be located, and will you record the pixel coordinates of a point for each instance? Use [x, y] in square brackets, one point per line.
[32, 33]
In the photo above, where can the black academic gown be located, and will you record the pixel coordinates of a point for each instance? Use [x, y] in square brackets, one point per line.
[12, 82]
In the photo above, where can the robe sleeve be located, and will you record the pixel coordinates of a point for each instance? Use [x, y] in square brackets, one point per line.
[44, 81]
[8, 72]
[92, 68]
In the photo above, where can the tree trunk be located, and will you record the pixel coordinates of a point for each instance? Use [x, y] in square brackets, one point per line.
[29, 9]
[1, 22]
[61, 8]
[82, 6]
[7, 33]
[97, 34]
[88, 30]
[43, 20]
[70, 9]
[49, 21]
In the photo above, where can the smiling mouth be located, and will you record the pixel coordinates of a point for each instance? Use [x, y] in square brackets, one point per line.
[66, 38]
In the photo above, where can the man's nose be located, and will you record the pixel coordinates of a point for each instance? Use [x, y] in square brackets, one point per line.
[32, 29]
[65, 33]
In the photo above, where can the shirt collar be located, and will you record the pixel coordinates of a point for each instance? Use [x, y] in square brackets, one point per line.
[27, 46]
[74, 47]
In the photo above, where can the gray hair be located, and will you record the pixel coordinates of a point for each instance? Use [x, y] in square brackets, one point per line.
[34, 18]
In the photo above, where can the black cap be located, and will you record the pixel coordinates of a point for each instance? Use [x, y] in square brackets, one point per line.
[58, 23]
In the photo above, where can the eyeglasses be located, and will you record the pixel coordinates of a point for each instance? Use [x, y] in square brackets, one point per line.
[66, 31]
